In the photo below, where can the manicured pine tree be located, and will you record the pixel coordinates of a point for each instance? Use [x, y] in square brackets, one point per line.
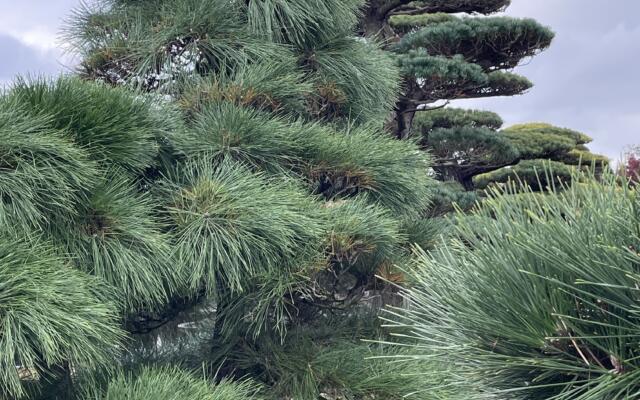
[221, 158]
[469, 148]
[445, 56]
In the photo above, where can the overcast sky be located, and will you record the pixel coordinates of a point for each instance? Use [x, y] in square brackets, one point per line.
[587, 81]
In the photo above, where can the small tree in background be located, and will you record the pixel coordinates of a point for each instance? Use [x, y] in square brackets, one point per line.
[445, 56]
[469, 147]
[630, 166]
[548, 155]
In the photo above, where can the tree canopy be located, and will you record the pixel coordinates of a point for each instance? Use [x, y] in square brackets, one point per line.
[216, 204]
[467, 144]
[444, 56]
[218, 158]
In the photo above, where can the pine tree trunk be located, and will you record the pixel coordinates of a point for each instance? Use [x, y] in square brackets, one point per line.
[454, 174]
[403, 119]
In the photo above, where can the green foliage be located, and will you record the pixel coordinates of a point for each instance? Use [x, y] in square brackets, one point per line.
[42, 172]
[441, 77]
[255, 138]
[113, 125]
[117, 237]
[327, 359]
[354, 80]
[536, 174]
[493, 43]
[424, 232]
[408, 23]
[361, 237]
[275, 85]
[358, 239]
[538, 140]
[173, 383]
[500, 84]
[473, 147]
[584, 158]
[51, 317]
[218, 155]
[460, 6]
[162, 45]
[302, 23]
[542, 128]
[154, 43]
[230, 225]
[466, 145]
[448, 57]
[448, 196]
[425, 122]
[540, 295]
[335, 164]
[543, 140]
[366, 161]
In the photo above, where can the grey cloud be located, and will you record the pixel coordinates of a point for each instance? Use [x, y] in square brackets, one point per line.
[21, 59]
[22, 15]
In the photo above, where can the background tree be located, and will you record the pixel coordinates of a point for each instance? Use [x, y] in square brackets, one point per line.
[547, 155]
[630, 166]
[444, 56]
[468, 145]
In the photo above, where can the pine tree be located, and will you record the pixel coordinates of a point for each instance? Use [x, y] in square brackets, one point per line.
[225, 159]
[444, 56]
[533, 296]
[469, 148]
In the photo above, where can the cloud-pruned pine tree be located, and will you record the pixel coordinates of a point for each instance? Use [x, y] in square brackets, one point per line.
[450, 50]
[547, 154]
[470, 148]
[444, 56]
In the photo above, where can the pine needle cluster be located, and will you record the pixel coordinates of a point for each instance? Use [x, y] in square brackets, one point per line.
[228, 154]
[534, 296]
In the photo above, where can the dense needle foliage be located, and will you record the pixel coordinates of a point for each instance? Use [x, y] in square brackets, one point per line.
[218, 156]
[535, 296]
[52, 317]
[171, 383]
